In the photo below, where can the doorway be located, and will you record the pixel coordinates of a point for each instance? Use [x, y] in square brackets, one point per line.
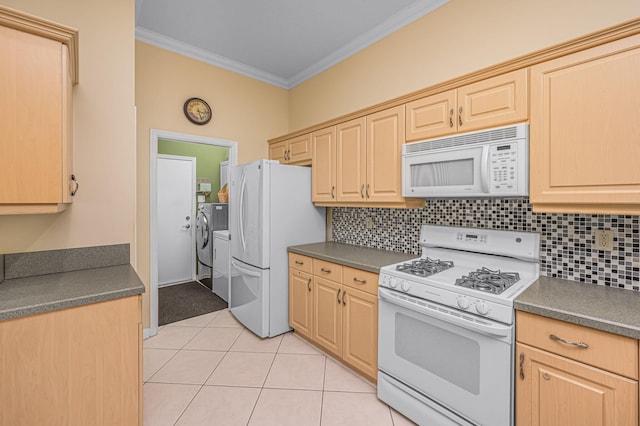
[156, 136]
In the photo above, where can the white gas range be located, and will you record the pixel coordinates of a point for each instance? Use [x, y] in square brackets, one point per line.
[446, 325]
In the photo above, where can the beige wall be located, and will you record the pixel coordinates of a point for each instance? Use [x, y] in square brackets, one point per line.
[103, 132]
[460, 37]
[244, 110]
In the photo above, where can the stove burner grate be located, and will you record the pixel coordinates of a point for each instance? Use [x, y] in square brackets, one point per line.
[424, 267]
[489, 281]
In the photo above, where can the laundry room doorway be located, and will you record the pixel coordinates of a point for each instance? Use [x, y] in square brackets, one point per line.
[187, 144]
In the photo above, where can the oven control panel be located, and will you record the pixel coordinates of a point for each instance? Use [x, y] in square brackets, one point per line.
[471, 237]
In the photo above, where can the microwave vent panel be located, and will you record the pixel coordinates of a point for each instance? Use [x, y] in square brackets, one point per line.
[486, 136]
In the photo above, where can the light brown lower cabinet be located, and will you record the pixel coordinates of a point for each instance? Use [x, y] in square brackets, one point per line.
[344, 312]
[566, 381]
[77, 366]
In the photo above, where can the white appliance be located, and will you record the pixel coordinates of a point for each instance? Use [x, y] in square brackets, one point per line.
[211, 217]
[488, 163]
[271, 209]
[221, 264]
[446, 325]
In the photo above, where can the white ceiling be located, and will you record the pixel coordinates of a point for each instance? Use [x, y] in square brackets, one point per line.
[281, 42]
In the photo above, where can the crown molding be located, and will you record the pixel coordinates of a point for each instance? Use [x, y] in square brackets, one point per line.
[390, 25]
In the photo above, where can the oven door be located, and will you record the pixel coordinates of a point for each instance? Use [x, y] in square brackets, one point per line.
[458, 362]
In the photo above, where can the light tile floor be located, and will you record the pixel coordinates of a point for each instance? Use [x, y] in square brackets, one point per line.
[210, 370]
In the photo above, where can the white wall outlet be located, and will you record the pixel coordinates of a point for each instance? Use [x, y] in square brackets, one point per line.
[368, 223]
[604, 239]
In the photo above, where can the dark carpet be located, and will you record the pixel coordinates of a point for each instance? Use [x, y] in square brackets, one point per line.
[188, 300]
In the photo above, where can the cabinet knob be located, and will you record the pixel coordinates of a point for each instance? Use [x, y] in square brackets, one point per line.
[309, 284]
[362, 191]
[333, 190]
[326, 271]
[359, 281]
[367, 190]
[451, 117]
[338, 296]
[460, 116]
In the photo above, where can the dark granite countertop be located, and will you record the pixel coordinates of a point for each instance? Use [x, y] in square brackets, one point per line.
[367, 259]
[43, 293]
[603, 308]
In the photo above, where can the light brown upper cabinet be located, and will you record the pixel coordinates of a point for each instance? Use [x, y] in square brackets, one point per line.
[37, 71]
[492, 102]
[296, 151]
[323, 169]
[359, 162]
[585, 131]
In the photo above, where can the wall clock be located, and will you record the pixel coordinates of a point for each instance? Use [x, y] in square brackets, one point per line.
[197, 111]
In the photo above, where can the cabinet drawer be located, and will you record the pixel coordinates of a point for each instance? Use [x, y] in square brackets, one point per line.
[328, 270]
[610, 352]
[300, 262]
[362, 280]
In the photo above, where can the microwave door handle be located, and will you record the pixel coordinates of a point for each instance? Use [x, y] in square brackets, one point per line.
[484, 169]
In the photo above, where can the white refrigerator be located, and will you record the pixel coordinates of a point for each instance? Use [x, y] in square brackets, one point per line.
[270, 209]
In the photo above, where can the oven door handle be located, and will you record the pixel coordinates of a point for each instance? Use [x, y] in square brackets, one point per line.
[442, 313]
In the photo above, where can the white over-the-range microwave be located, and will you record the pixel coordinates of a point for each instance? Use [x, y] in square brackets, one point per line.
[487, 163]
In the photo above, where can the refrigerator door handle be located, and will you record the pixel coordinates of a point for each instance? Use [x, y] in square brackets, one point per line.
[241, 219]
[244, 270]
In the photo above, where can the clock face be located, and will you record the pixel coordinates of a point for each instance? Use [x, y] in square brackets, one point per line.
[197, 111]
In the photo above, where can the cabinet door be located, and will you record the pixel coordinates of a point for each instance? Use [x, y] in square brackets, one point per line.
[351, 159]
[432, 116]
[327, 315]
[385, 136]
[585, 132]
[77, 366]
[278, 151]
[360, 342]
[300, 149]
[556, 391]
[31, 113]
[323, 170]
[300, 302]
[493, 102]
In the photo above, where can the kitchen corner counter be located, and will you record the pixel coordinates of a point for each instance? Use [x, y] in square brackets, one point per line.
[365, 258]
[603, 308]
[43, 293]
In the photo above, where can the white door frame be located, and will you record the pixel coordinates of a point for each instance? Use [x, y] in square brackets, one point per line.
[192, 221]
[153, 206]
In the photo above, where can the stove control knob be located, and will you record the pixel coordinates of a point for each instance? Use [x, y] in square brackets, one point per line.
[405, 286]
[463, 302]
[482, 308]
[393, 283]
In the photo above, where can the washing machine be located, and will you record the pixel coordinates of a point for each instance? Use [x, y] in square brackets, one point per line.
[221, 264]
[211, 217]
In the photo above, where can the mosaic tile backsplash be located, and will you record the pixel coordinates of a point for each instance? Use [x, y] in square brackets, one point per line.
[567, 243]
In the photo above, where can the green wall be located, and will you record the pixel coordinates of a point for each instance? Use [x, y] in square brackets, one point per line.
[208, 159]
